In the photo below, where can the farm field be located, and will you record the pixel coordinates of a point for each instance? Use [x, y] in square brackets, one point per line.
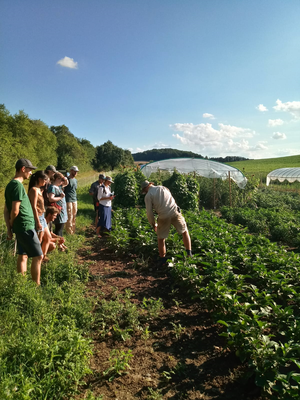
[146, 319]
[221, 325]
[261, 168]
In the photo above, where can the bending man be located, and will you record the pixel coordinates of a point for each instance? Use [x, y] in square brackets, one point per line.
[161, 200]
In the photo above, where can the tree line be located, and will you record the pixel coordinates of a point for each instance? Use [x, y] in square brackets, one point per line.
[21, 136]
[166, 154]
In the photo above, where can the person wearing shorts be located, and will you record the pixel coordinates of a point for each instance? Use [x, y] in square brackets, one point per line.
[160, 199]
[19, 219]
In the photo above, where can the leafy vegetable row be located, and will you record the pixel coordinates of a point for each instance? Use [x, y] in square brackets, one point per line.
[250, 284]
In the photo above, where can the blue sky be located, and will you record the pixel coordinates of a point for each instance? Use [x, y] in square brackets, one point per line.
[217, 77]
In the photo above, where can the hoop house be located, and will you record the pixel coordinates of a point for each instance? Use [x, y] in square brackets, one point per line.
[205, 168]
[284, 174]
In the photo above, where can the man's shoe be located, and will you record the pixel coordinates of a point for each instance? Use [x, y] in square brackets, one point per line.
[162, 262]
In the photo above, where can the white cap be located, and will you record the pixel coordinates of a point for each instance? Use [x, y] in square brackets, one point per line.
[74, 168]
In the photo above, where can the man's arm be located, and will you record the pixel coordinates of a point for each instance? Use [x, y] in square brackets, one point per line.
[149, 209]
[7, 222]
[15, 209]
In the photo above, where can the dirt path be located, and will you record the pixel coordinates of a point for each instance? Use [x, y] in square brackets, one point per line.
[176, 351]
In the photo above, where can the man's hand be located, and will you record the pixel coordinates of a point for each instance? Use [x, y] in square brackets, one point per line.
[9, 234]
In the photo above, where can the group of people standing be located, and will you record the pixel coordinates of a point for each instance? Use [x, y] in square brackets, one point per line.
[102, 198]
[51, 200]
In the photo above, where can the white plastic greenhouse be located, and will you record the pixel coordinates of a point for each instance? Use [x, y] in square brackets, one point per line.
[205, 168]
[284, 174]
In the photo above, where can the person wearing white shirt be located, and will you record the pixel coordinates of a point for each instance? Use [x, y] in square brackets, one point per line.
[105, 197]
[160, 199]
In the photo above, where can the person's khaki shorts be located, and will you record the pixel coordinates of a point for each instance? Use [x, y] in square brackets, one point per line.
[164, 225]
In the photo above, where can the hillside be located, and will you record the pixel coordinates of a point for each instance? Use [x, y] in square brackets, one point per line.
[164, 154]
[262, 167]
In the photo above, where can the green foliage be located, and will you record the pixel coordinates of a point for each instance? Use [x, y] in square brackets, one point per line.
[126, 189]
[163, 154]
[118, 363]
[215, 193]
[44, 351]
[69, 150]
[184, 190]
[109, 157]
[251, 287]
[23, 137]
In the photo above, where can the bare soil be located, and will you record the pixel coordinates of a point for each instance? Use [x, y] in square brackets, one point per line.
[190, 363]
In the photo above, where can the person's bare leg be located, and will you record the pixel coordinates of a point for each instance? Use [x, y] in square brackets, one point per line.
[22, 263]
[40, 236]
[161, 247]
[46, 241]
[51, 247]
[96, 218]
[36, 269]
[187, 241]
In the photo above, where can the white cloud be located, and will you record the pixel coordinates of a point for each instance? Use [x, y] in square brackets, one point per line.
[233, 131]
[261, 108]
[275, 122]
[158, 145]
[68, 62]
[292, 107]
[225, 140]
[279, 135]
[207, 115]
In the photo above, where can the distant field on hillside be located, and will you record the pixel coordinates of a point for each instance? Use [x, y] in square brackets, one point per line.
[261, 168]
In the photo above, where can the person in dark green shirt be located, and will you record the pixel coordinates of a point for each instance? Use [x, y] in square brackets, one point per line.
[19, 219]
[71, 200]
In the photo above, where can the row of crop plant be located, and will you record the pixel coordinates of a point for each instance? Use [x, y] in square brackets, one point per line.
[44, 348]
[251, 285]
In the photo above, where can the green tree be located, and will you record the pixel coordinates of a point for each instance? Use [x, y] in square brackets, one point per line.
[108, 156]
[22, 137]
[90, 151]
[127, 159]
[69, 150]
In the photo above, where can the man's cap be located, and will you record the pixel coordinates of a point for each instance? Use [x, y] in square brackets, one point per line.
[108, 178]
[24, 162]
[101, 176]
[144, 185]
[74, 168]
[51, 168]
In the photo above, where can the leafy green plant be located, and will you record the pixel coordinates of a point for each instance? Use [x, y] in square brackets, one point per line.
[118, 363]
[152, 307]
[178, 330]
[155, 394]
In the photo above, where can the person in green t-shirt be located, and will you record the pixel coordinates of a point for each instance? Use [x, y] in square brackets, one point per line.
[71, 200]
[19, 219]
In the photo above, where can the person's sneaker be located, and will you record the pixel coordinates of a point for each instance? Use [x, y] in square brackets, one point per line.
[162, 262]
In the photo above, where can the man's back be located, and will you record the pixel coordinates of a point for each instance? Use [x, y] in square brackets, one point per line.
[161, 200]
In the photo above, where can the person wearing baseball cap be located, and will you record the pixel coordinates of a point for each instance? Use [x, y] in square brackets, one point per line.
[19, 219]
[71, 200]
[94, 191]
